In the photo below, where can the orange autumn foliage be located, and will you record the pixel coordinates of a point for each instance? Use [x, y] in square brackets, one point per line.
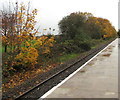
[101, 26]
[24, 40]
[27, 56]
[29, 53]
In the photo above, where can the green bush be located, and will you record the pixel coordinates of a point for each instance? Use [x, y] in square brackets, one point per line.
[85, 46]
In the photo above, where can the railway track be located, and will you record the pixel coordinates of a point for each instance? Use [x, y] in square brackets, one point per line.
[38, 90]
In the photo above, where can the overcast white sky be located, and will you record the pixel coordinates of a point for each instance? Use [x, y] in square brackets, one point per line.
[50, 12]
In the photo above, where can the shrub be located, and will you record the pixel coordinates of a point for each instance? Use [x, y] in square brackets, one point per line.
[27, 57]
[85, 46]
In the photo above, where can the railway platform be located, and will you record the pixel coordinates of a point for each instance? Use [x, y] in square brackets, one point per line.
[97, 79]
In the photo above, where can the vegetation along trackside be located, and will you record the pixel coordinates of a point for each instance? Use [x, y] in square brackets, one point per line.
[26, 55]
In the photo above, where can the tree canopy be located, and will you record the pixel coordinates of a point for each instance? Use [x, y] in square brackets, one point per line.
[86, 23]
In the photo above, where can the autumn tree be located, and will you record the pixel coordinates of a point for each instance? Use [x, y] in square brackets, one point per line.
[17, 25]
[93, 28]
[8, 21]
[73, 24]
[81, 24]
[107, 30]
[100, 27]
[23, 39]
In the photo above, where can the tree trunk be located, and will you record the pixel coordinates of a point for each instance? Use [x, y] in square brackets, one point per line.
[5, 48]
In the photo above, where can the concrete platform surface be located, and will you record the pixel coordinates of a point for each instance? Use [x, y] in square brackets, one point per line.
[98, 79]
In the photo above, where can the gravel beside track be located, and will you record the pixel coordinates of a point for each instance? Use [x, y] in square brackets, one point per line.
[37, 92]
